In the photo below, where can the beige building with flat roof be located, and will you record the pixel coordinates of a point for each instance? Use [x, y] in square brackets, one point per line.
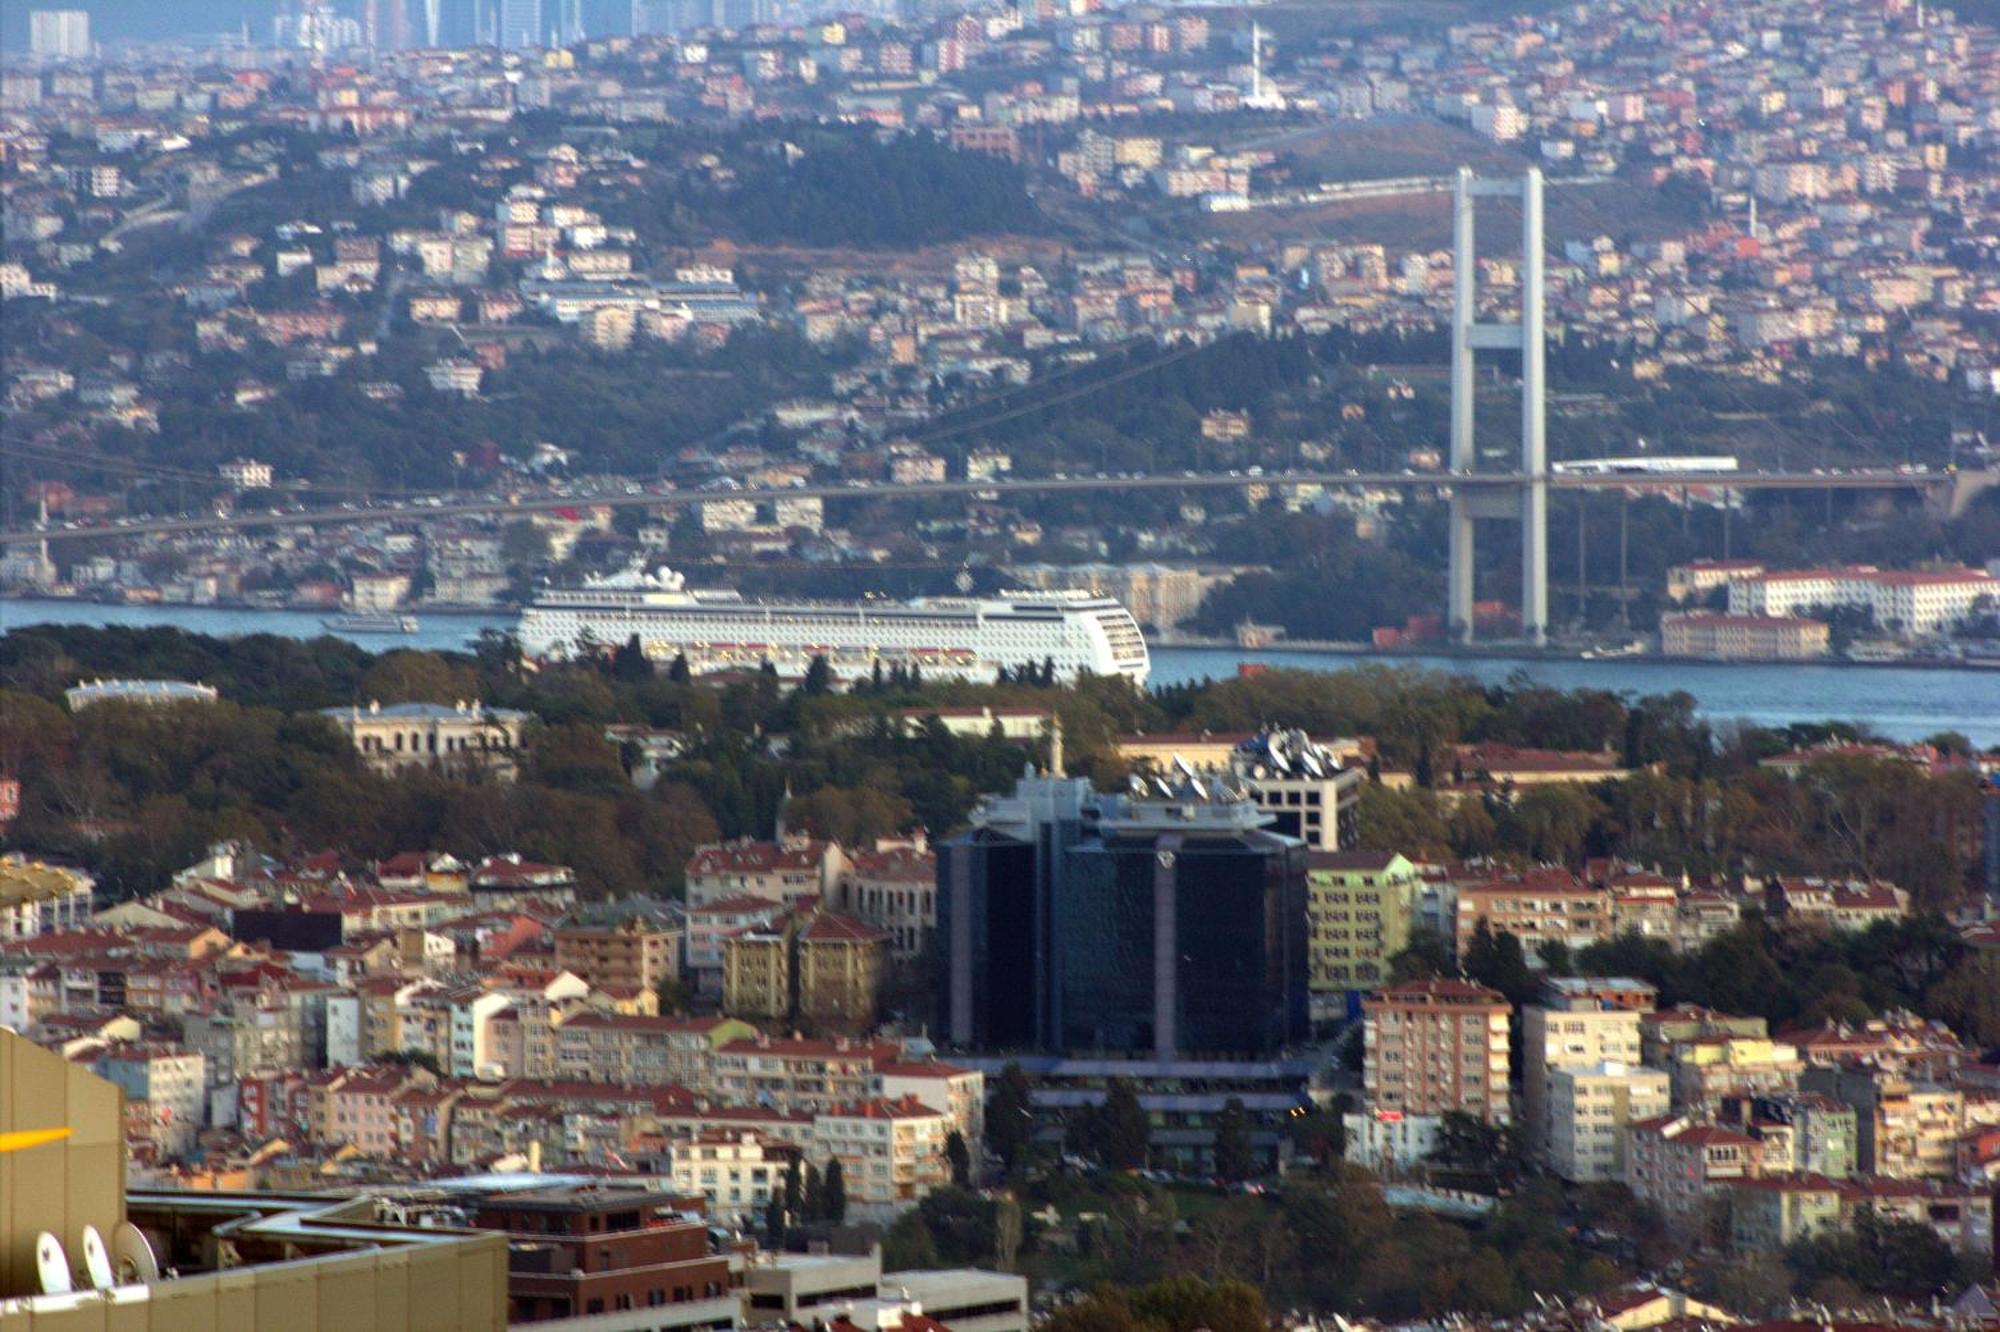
[295, 1263]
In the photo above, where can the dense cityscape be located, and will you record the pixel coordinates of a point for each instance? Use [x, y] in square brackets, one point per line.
[1036, 667]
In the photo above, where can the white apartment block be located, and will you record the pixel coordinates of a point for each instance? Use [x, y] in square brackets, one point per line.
[891, 1153]
[1589, 1108]
[1555, 1039]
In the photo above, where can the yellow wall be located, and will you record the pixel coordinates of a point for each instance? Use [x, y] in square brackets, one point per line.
[60, 1186]
[446, 1288]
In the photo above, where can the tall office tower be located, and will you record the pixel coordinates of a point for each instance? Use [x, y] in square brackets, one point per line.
[1167, 925]
[996, 891]
[519, 24]
[59, 34]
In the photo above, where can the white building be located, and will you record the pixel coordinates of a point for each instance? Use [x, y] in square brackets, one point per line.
[247, 474]
[1911, 603]
[59, 34]
[37, 899]
[736, 1172]
[891, 1153]
[1589, 1109]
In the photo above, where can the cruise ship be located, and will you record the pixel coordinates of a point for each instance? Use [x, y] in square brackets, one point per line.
[963, 638]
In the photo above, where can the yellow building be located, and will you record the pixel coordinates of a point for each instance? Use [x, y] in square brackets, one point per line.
[1359, 905]
[757, 970]
[819, 967]
[294, 1263]
[840, 971]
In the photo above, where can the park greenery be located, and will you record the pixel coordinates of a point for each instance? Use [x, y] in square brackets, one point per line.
[132, 792]
[135, 793]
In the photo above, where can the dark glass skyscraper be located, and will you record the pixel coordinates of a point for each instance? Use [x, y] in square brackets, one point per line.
[1161, 927]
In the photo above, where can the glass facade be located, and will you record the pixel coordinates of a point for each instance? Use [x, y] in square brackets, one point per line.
[1118, 927]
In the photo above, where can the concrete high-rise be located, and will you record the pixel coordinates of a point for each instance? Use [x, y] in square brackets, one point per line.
[1529, 502]
[59, 34]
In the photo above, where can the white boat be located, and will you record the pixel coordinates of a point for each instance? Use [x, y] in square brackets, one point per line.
[371, 624]
[716, 630]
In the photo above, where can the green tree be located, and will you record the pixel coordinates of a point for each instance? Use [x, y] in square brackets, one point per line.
[1124, 1133]
[819, 677]
[812, 1195]
[1010, 1117]
[1496, 961]
[1235, 1161]
[833, 1193]
[1426, 956]
[960, 1159]
[629, 663]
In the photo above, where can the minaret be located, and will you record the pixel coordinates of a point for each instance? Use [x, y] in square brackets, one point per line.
[1256, 63]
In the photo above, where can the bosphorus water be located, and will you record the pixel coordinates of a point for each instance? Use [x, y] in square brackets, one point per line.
[1905, 703]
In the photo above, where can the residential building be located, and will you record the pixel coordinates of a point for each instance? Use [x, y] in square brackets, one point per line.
[1770, 1213]
[1570, 1031]
[1536, 907]
[1589, 1109]
[637, 1050]
[1437, 1045]
[1708, 1069]
[59, 34]
[1906, 1129]
[737, 1173]
[171, 1081]
[786, 872]
[1359, 909]
[1681, 1166]
[636, 952]
[891, 1153]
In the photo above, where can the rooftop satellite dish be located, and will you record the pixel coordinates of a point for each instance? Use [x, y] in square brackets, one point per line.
[1187, 769]
[53, 1264]
[136, 1262]
[96, 1262]
[1310, 763]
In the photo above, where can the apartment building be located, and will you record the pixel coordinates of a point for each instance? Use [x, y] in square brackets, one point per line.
[38, 899]
[798, 1075]
[1708, 1069]
[635, 953]
[1359, 909]
[1538, 907]
[1569, 1031]
[1436, 1045]
[786, 873]
[170, 1081]
[891, 1153]
[1589, 1109]
[736, 1173]
[1681, 1165]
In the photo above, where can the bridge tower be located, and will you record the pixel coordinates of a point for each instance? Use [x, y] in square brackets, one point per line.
[1527, 503]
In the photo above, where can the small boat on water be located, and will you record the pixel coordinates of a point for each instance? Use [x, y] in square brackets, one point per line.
[371, 624]
[1611, 652]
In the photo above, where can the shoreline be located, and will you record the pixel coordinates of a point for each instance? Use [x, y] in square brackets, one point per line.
[1527, 652]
